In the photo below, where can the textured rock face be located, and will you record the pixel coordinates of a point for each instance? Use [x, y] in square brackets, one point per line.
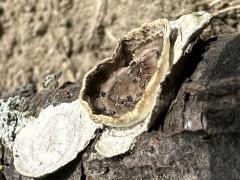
[207, 109]
[210, 99]
[189, 155]
[155, 157]
[200, 138]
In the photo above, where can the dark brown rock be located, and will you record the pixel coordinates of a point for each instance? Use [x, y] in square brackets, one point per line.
[210, 99]
[201, 129]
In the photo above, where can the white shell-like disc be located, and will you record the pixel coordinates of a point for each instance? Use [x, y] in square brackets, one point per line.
[115, 141]
[53, 139]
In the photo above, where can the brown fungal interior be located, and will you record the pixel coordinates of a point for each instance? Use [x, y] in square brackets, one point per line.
[124, 86]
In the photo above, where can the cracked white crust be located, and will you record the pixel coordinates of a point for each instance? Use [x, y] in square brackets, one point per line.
[53, 139]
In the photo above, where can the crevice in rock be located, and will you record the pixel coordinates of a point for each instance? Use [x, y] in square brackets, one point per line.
[83, 176]
[66, 170]
[2, 176]
[2, 154]
[174, 81]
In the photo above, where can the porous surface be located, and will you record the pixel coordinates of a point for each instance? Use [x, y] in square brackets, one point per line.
[122, 90]
[24, 62]
[124, 87]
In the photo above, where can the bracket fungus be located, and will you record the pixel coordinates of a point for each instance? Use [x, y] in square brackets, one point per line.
[53, 139]
[123, 91]
[115, 141]
[120, 91]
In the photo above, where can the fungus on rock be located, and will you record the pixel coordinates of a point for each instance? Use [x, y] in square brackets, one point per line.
[124, 91]
[115, 141]
[53, 139]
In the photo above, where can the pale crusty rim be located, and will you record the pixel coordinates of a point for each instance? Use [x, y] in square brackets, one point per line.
[145, 106]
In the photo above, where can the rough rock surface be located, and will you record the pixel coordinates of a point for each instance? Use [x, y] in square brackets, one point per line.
[210, 99]
[199, 138]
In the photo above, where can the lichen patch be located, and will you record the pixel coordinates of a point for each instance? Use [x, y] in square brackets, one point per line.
[11, 121]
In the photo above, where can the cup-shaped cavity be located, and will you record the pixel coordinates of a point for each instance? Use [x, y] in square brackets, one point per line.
[122, 90]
